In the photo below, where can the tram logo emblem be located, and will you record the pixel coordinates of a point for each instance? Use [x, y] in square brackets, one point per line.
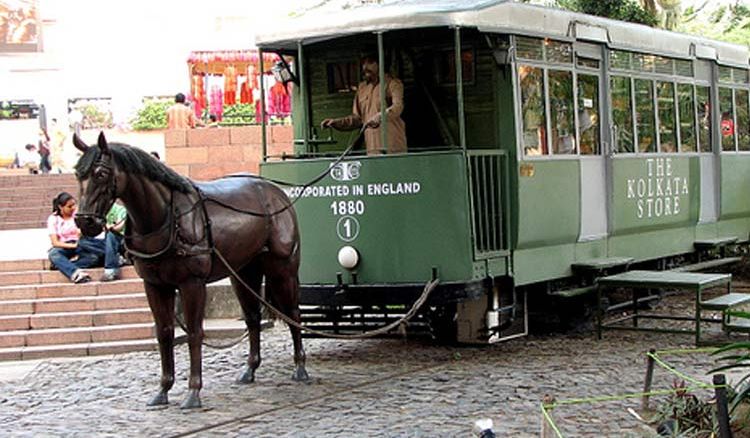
[346, 171]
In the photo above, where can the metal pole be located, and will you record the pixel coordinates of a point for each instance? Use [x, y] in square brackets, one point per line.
[264, 136]
[649, 378]
[383, 103]
[303, 96]
[722, 412]
[460, 89]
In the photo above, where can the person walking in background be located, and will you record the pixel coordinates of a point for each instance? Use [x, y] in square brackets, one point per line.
[179, 115]
[57, 148]
[44, 164]
[115, 229]
[71, 253]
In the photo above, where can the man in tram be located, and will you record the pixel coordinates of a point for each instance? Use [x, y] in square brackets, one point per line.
[367, 107]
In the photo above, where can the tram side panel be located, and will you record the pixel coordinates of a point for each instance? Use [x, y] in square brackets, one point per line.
[404, 215]
[735, 197]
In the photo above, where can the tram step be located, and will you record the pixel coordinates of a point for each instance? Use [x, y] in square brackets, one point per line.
[724, 302]
[708, 264]
[571, 293]
[717, 242]
[602, 263]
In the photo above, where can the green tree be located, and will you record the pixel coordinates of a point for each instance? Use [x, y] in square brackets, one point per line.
[726, 22]
[625, 10]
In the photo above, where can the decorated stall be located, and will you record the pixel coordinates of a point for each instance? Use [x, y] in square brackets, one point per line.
[226, 84]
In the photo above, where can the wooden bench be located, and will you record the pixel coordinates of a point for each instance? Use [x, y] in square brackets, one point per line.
[637, 280]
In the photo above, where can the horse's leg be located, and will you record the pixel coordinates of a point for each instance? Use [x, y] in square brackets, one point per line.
[251, 275]
[161, 301]
[193, 294]
[283, 286]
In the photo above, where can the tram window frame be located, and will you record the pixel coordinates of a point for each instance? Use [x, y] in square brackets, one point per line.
[727, 122]
[628, 121]
[742, 119]
[540, 126]
[704, 121]
[662, 116]
[686, 118]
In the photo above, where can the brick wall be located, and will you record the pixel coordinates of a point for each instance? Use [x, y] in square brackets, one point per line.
[208, 153]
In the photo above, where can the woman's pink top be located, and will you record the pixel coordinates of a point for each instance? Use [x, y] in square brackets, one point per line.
[65, 229]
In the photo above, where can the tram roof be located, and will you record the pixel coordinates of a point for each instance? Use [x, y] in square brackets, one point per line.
[506, 16]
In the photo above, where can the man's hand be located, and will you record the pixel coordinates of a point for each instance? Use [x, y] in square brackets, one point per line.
[374, 121]
[327, 123]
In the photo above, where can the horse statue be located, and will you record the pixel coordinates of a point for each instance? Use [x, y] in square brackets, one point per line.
[183, 234]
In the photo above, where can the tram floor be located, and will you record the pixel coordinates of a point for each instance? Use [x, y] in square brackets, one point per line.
[378, 387]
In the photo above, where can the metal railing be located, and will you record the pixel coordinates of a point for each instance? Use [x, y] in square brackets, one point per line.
[488, 180]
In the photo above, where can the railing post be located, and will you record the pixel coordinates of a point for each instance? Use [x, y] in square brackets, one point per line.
[722, 411]
[649, 378]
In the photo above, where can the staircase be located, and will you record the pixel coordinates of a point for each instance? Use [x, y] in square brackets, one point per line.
[26, 200]
[43, 314]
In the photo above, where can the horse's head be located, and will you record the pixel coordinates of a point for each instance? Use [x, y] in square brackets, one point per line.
[97, 178]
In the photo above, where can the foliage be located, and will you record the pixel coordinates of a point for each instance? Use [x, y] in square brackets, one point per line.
[727, 22]
[684, 414]
[239, 114]
[95, 117]
[736, 356]
[152, 115]
[625, 10]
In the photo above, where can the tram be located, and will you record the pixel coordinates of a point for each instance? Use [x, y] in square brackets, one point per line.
[544, 147]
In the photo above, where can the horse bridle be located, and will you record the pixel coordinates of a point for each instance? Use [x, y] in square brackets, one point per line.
[111, 190]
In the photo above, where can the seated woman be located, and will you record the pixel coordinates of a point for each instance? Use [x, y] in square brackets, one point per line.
[71, 253]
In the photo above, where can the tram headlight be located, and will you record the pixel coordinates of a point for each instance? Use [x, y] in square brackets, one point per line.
[348, 257]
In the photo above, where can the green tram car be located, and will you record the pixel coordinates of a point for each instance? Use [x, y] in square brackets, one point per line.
[545, 147]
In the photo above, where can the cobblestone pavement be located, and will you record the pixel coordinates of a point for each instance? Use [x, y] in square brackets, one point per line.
[358, 388]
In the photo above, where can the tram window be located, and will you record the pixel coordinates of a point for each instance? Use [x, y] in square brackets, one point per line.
[622, 114]
[743, 119]
[644, 110]
[725, 74]
[529, 48]
[684, 68]
[667, 120]
[588, 63]
[561, 112]
[342, 76]
[726, 108]
[588, 114]
[741, 76]
[620, 60]
[664, 65]
[446, 66]
[703, 100]
[533, 110]
[558, 51]
[643, 62]
[687, 117]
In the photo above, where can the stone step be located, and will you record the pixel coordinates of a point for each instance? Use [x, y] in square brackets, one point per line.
[76, 335]
[89, 318]
[22, 225]
[77, 350]
[33, 277]
[68, 289]
[23, 265]
[28, 180]
[73, 304]
[217, 332]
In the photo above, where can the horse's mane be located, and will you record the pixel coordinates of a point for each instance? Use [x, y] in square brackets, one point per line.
[135, 161]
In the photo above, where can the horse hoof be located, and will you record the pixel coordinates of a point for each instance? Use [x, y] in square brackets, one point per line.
[300, 375]
[192, 401]
[247, 376]
[159, 400]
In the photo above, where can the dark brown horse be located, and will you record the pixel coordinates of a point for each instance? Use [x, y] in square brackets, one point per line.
[176, 230]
